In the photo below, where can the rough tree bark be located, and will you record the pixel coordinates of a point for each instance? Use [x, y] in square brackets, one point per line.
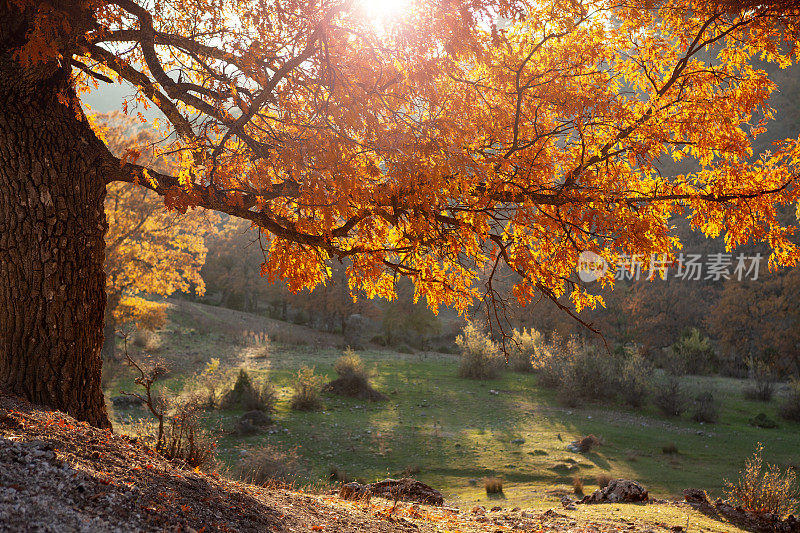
[52, 224]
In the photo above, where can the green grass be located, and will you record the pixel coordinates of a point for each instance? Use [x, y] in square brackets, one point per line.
[455, 430]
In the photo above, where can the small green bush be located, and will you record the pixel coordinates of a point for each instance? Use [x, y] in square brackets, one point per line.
[764, 489]
[790, 406]
[694, 353]
[307, 387]
[480, 356]
[669, 396]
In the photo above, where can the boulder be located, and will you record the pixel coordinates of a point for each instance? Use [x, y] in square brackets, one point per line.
[125, 402]
[405, 489]
[618, 491]
[257, 418]
[354, 491]
[696, 496]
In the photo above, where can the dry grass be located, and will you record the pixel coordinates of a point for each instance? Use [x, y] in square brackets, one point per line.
[603, 480]
[577, 485]
[493, 485]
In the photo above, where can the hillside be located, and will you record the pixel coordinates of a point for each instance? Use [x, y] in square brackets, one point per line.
[57, 474]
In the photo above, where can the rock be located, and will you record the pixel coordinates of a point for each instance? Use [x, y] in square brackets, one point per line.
[125, 402]
[407, 490]
[696, 496]
[257, 418]
[246, 427]
[479, 509]
[618, 491]
[518, 441]
[496, 508]
[566, 501]
[355, 491]
[571, 507]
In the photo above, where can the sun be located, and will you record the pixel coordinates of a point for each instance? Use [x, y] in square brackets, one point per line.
[382, 11]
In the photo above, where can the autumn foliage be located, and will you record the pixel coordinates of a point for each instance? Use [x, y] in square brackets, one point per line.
[460, 136]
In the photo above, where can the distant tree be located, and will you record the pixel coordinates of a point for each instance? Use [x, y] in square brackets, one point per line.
[148, 250]
[760, 320]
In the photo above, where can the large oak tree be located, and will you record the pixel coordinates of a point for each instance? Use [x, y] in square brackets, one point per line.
[444, 142]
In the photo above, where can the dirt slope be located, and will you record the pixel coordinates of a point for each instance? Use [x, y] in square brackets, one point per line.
[57, 474]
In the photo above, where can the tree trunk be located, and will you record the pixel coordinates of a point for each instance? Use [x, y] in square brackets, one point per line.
[52, 294]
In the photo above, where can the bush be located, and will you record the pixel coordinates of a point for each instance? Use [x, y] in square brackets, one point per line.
[790, 407]
[762, 386]
[480, 356]
[694, 353]
[523, 349]
[603, 480]
[307, 387]
[176, 431]
[353, 378]
[267, 464]
[761, 489]
[577, 485]
[635, 379]
[245, 395]
[590, 375]
[706, 409]
[669, 397]
[493, 485]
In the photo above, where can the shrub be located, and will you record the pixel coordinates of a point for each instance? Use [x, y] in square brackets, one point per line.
[480, 356]
[706, 409]
[669, 449]
[763, 421]
[577, 485]
[146, 339]
[176, 431]
[635, 379]
[307, 387]
[669, 397]
[245, 395]
[350, 366]
[764, 489]
[552, 361]
[694, 353]
[762, 386]
[493, 485]
[790, 406]
[353, 378]
[603, 480]
[585, 444]
[590, 375]
[523, 349]
[267, 464]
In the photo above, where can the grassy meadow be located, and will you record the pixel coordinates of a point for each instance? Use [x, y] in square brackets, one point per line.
[452, 432]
